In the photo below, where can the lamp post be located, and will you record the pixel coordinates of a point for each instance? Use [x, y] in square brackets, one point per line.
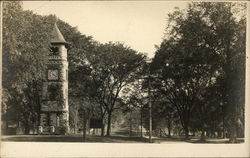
[149, 77]
[149, 102]
[150, 109]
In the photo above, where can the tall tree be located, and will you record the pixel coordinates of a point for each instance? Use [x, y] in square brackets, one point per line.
[23, 61]
[199, 48]
[113, 67]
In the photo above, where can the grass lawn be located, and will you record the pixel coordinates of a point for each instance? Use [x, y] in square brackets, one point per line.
[74, 138]
[109, 139]
[117, 136]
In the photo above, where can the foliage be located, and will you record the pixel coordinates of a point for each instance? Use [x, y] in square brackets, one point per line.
[198, 52]
[23, 62]
[26, 38]
[113, 66]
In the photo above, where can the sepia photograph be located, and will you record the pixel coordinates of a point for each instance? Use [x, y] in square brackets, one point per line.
[116, 77]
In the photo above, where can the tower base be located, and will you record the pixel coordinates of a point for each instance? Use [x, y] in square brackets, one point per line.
[54, 123]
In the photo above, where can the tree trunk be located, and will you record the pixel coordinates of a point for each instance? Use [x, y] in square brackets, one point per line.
[103, 112]
[207, 133]
[109, 124]
[233, 133]
[186, 132]
[203, 138]
[179, 131]
[232, 118]
[102, 129]
[76, 116]
[7, 121]
[169, 132]
[84, 126]
[169, 128]
[130, 127]
[26, 129]
[224, 130]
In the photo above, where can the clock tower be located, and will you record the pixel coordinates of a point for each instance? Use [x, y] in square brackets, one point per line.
[54, 112]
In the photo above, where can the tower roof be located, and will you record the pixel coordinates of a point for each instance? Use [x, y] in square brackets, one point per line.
[57, 36]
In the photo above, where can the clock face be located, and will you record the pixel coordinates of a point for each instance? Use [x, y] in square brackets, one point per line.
[53, 75]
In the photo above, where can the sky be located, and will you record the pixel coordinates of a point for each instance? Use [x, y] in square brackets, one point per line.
[138, 24]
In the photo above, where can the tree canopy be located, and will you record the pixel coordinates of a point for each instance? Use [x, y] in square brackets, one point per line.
[196, 63]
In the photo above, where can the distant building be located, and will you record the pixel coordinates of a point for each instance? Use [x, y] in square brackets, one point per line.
[54, 115]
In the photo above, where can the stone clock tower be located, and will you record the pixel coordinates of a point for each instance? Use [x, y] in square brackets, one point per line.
[54, 116]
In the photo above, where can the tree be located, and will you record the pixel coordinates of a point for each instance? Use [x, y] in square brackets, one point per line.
[164, 113]
[195, 53]
[23, 62]
[136, 99]
[113, 67]
[230, 35]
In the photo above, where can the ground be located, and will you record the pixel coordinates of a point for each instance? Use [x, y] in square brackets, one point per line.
[117, 137]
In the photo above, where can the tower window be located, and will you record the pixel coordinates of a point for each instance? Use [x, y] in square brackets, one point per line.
[48, 120]
[66, 74]
[54, 50]
[66, 93]
[57, 120]
[53, 92]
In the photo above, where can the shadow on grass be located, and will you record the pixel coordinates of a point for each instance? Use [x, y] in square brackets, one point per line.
[216, 141]
[111, 139]
[196, 140]
[73, 138]
[126, 133]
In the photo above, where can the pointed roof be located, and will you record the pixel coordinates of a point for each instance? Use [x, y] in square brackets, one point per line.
[57, 36]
